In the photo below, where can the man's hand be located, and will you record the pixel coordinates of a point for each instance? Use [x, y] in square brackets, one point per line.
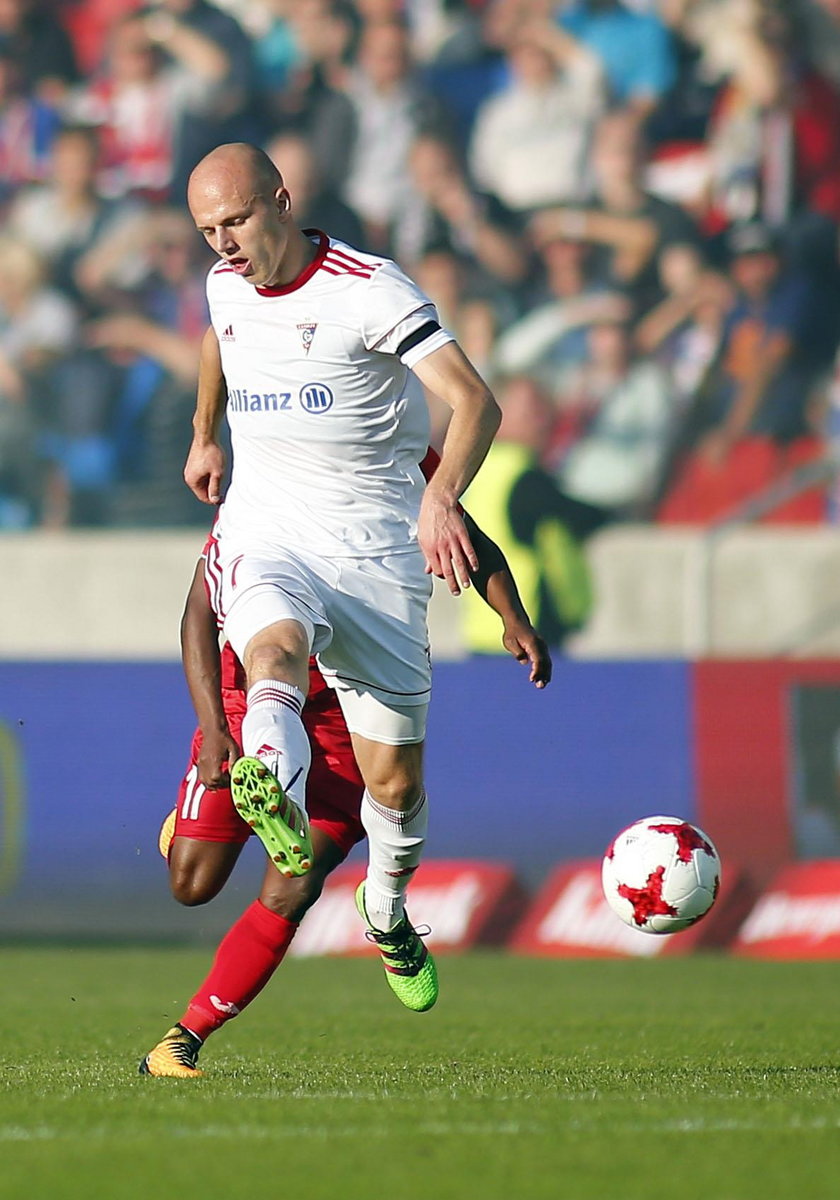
[204, 471]
[218, 751]
[525, 644]
[445, 543]
[716, 446]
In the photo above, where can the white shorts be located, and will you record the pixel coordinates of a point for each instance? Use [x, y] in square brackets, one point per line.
[365, 619]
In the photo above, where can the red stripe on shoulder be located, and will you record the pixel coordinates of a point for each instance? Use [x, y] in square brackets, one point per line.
[358, 275]
[335, 267]
[354, 262]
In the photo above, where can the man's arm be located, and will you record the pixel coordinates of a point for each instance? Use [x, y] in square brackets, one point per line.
[130, 331]
[441, 531]
[772, 357]
[205, 465]
[495, 584]
[202, 669]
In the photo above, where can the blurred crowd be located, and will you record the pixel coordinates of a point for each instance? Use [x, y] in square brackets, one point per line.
[626, 210]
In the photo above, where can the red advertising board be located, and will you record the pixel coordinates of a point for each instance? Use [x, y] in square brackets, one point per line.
[571, 919]
[464, 904]
[798, 916]
[749, 754]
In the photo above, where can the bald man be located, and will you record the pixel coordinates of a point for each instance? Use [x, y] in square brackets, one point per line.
[327, 537]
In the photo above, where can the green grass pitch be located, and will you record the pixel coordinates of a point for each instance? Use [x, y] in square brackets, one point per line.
[709, 1078]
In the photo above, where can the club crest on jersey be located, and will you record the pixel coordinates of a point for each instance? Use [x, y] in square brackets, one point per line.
[307, 335]
[316, 397]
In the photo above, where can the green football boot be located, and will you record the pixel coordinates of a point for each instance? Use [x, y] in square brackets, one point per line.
[409, 967]
[275, 818]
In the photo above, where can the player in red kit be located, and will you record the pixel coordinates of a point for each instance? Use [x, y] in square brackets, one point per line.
[205, 835]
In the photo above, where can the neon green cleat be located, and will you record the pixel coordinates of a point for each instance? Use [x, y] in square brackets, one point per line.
[409, 967]
[276, 820]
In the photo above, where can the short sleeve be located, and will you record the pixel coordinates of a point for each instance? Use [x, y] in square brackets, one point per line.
[394, 308]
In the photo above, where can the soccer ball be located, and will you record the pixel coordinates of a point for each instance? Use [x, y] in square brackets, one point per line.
[661, 874]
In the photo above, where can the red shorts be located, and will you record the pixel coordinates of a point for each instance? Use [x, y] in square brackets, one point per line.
[333, 790]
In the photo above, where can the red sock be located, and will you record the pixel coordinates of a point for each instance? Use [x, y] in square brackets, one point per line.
[247, 957]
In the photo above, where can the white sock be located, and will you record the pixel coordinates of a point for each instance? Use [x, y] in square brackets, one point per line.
[395, 845]
[273, 731]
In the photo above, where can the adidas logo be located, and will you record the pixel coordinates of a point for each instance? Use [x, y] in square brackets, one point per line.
[228, 335]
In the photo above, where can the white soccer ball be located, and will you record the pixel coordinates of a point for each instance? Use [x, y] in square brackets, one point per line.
[661, 874]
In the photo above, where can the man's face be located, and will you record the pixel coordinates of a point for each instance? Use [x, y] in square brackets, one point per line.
[383, 55]
[249, 232]
[532, 64]
[432, 167]
[74, 161]
[133, 57]
[755, 273]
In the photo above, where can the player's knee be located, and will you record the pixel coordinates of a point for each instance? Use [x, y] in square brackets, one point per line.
[400, 789]
[192, 888]
[294, 897]
[281, 656]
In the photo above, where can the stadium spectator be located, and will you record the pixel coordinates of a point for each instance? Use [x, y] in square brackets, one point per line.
[537, 527]
[443, 209]
[756, 398]
[276, 46]
[682, 113]
[89, 24]
[38, 329]
[550, 340]
[63, 217]
[317, 205]
[32, 37]
[210, 54]
[311, 108]
[138, 104]
[446, 32]
[627, 225]
[148, 281]
[774, 138]
[529, 140]
[327, 33]
[615, 462]
[634, 48]
[765, 356]
[684, 330]
[27, 129]
[391, 108]
[36, 322]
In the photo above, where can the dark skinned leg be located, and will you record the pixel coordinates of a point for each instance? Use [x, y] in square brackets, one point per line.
[292, 897]
[199, 870]
[255, 945]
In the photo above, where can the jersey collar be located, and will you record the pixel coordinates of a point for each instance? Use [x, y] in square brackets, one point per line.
[307, 272]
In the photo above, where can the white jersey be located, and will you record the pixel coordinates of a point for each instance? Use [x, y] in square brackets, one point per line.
[328, 424]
